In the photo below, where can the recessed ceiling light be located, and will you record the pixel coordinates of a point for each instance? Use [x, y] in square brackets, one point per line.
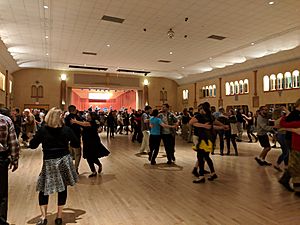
[47, 53]
[252, 43]
[171, 53]
[271, 3]
[182, 67]
[84, 64]
[46, 37]
[46, 7]
[210, 58]
[108, 45]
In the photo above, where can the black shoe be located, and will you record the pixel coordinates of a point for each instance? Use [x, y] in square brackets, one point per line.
[274, 146]
[149, 156]
[198, 181]
[265, 163]
[286, 185]
[42, 222]
[58, 221]
[212, 153]
[195, 172]
[173, 158]
[100, 168]
[211, 178]
[169, 162]
[259, 161]
[277, 168]
[3, 222]
[250, 141]
[153, 162]
[228, 153]
[236, 154]
[93, 174]
[206, 172]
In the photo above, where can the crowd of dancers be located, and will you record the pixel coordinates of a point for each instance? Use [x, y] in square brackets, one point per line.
[61, 134]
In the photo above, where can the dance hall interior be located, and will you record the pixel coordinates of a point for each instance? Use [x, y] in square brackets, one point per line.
[105, 56]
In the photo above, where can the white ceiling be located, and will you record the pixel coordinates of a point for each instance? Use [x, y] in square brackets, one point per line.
[74, 26]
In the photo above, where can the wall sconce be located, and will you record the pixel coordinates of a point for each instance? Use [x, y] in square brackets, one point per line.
[63, 76]
[146, 82]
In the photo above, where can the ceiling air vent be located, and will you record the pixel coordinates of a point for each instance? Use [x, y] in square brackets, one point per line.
[89, 53]
[133, 71]
[88, 67]
[112, 19]
[216, 37]
[164, 61]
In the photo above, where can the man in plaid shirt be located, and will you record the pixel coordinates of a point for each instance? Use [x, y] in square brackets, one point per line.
[9, 155]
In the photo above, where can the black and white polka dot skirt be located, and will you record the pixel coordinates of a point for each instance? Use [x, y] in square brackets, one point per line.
[56, 174]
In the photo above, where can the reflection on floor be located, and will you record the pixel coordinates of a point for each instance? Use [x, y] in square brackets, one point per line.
[130, 191]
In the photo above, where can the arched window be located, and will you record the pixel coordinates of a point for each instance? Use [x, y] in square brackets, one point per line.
[236, 87]
[231, 88]
[296, 79]
[241, 86]
[246, 86]
[40, 91]
[210, 91]
[273, 82]
[203, 92]
[214, 90]
[227, 88]
[288, 80]
[280, 81]
[266, 83]
[207, 91]
[185, 94]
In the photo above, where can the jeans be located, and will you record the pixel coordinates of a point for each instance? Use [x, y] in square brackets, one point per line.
[285, 150]
[4, 162]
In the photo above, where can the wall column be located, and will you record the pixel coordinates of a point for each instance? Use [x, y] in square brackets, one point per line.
[195, 98]
[6, 89]
[146, 92]
[63, 91]
[220, 101]
[255, 98]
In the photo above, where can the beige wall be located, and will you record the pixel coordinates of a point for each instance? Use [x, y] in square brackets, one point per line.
[50, 79]
[275, 97]
[156, 85]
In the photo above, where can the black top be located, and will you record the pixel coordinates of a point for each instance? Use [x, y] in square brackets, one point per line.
[92, 146]
[75, 127]
[239, 117]
[185, 119]
[55, 141]
[202, 133]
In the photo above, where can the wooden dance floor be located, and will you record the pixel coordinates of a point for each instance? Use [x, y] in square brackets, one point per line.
[131, 192]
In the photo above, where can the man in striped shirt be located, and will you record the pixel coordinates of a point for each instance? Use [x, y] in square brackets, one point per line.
[9, 155]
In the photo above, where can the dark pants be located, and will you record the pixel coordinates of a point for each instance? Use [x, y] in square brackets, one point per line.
[154, 143]
[285, 150]
[250, 130]
[110, 131]
[4, 162]
[169, 143]
[221, 137]
[201, 156]
[232, 138]
[61, 200]
[91, 162]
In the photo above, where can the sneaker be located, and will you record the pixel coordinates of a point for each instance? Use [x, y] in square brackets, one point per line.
[265, 163]
[211, 178]
[42, 222]
[259, 161]
[58, 221]
[200, 180]
[277, 168]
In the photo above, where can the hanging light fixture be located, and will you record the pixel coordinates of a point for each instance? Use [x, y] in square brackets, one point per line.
[171, 33]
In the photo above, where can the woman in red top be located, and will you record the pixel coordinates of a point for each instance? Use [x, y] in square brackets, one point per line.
[293, 121]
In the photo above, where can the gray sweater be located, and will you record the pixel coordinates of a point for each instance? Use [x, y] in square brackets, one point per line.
[262, 126]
